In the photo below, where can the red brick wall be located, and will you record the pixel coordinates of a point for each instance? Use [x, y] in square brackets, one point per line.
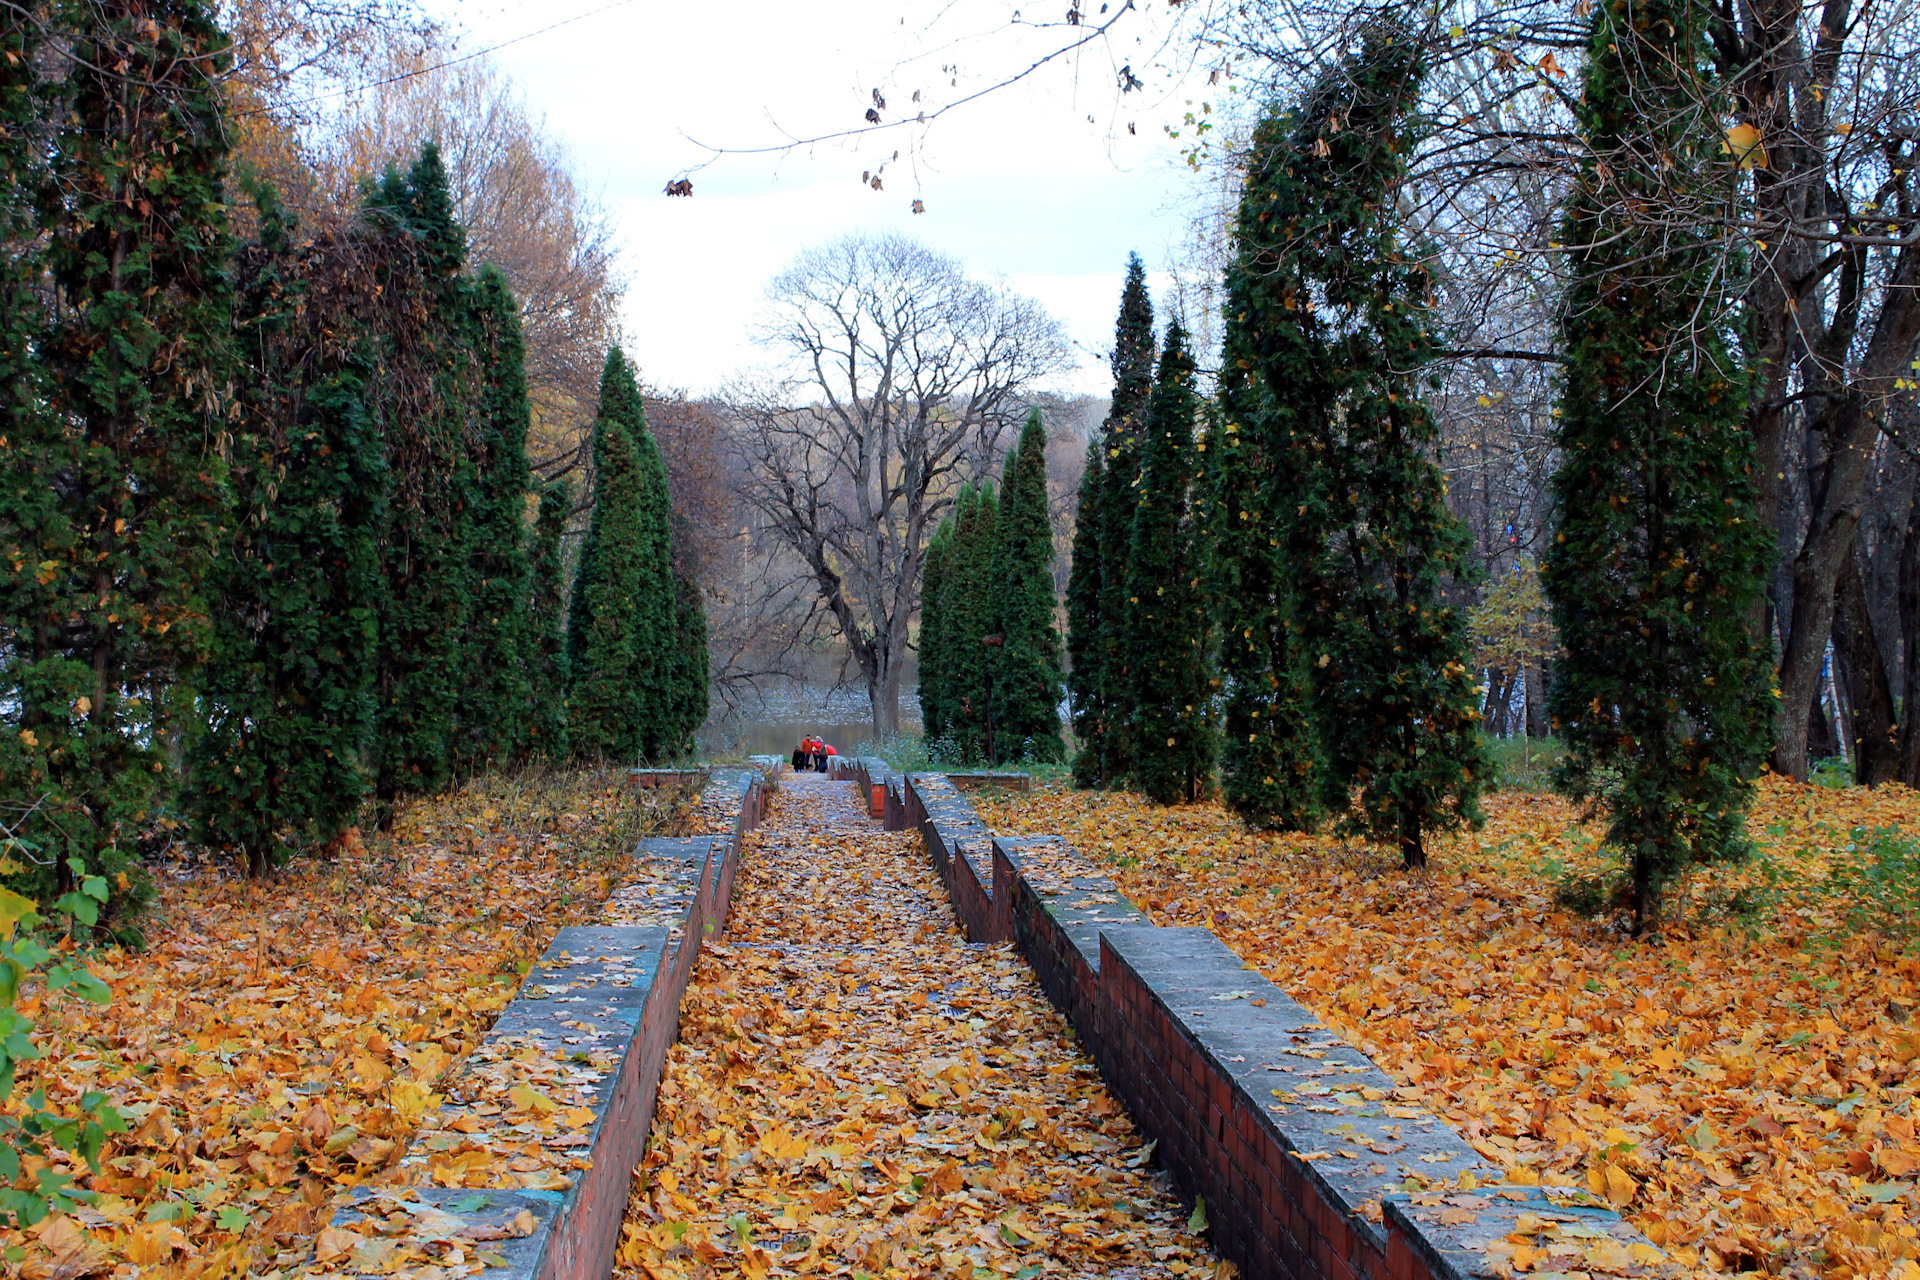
[1193, 1042]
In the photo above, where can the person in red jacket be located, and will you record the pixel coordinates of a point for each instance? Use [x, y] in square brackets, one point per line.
[826, 753]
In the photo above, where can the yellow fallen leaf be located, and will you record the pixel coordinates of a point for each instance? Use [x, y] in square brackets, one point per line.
[334, 1244]
[152, 1244]
[411, 1100]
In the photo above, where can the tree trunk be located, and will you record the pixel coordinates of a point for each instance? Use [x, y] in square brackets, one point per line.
[1816, 576]
[883, 697]
[1908, 599]
[1861, 664]
[1821, 744]
[1538, 677]
[1499, 715]
[1413, 846]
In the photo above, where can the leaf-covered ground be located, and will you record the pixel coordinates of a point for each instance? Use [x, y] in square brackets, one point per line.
[857, 1091]
[1741, 1086]
[278, 1042]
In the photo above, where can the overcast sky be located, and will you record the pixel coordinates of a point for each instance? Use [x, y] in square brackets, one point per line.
[1020, 185]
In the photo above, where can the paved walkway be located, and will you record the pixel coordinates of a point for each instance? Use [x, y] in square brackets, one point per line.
[858, 1091]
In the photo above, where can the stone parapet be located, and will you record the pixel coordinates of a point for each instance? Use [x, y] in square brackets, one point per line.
[570, 1069]
[1311, 1162]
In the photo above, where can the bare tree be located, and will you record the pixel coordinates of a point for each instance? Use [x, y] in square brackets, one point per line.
[903, 376]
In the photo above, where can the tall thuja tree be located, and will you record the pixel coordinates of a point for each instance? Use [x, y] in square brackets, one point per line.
[1173, 686]
[429, 375]
[495, 709]
[1085, 629]
[604, 701]
[1265, 486]
[688, 658]
[287, 693]
[120, 540]
[1133, 352]
[1396, 695]
[1025, 665]
[936, 713]
[972, 637]
[659, 669]
[546, 647]
[1661, 697]
[691, 667]
[32, 605]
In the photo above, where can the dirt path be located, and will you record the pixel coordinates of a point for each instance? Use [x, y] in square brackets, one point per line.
[858, 1091]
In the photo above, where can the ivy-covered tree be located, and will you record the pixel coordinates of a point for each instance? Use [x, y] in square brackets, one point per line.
[1025, 665]
[547, 626]
[495, 709]
[1085, 629]
[1113, 664]
[280, 764]
[1662, 698]
[114, 481]
[1174, 686]
[604, 702]
[429, 373]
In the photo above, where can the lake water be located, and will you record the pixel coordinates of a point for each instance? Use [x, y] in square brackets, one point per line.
[775, 723]
[780, 738]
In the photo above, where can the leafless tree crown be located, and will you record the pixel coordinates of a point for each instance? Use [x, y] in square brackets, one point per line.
[900, 377]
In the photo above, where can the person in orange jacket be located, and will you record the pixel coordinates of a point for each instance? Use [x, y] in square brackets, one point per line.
[803, 754]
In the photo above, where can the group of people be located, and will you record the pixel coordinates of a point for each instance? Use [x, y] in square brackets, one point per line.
[812, 753]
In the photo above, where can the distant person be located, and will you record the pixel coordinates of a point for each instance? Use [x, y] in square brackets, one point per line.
[803, 754]
[820, 753]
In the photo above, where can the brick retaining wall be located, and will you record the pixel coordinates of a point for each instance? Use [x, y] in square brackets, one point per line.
[1311, 1162]
[591, 1024]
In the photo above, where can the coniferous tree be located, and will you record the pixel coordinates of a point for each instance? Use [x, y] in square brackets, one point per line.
[658, 659]
[547, 626]
[1265, 490]
[970, 624]
[691, 670]
[1085, 629]
[1025, 666]
[287, 692]
[495, 707]
[24, 102]
[121, 439]
[1661, 696]
[1173, 676]
[936, 714]
[605, 703]
[1398, 708]
[691, 673]
[32, 605]
[429, 361]
[1133, 352]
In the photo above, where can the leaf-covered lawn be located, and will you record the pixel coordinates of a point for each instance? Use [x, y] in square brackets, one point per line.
[1741, 1087]
[857, 1091]
[278, 1042]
